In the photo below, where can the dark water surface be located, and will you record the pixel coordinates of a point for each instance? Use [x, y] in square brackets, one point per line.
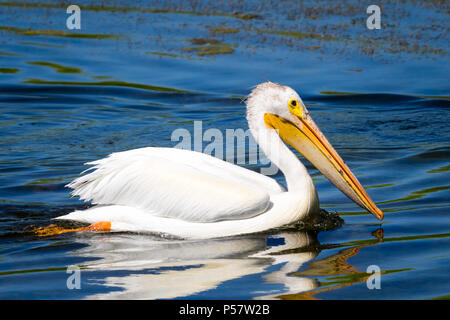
[136, 71]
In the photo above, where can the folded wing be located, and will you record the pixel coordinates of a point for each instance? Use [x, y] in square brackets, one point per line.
[176, 183]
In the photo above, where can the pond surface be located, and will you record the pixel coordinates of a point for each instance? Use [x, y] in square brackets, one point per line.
[138, 70]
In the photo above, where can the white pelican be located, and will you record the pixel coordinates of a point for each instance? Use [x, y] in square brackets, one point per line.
[186, 267]
[193, 195]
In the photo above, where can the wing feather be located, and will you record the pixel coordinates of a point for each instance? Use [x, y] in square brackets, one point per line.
[176, 183]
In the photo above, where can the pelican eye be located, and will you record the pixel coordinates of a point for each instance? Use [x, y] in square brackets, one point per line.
[294, 107]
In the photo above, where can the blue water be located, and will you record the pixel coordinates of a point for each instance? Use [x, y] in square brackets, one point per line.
[134, 74]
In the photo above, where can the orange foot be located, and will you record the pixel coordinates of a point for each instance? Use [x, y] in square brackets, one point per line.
[102, 226]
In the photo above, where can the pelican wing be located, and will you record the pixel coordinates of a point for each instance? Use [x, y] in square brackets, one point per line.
[176, 183]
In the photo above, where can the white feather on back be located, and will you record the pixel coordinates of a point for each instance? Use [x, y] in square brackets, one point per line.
[176, 183]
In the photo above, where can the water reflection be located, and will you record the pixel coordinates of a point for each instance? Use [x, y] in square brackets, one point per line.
[165, 269]
[341, 271]
[144, 267]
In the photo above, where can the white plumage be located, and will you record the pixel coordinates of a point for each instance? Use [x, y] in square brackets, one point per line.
[182, 193]
[193, 195]
[176, 183]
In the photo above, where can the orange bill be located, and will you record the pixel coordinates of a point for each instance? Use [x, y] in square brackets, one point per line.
[304, 135]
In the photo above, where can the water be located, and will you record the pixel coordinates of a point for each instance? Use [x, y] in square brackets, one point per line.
[134, 73]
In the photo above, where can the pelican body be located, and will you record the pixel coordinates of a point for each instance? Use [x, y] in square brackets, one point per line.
[189, 194]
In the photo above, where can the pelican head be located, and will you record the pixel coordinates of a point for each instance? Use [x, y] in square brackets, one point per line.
[275, 107]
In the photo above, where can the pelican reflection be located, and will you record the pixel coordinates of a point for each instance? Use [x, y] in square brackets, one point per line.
[144, 267]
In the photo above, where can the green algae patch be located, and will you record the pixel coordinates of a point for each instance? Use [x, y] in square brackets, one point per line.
[355, 277]
[164, 54]
[202, 41]
[222, 30]
[9, 54]
[211, 49]
[57, 33]
[381, 185]
[300, 35]
[103, 8]
[101, 77]
[39, 44]
[417, 194]
[208, 47]
[440, 170]
[9, 70]
[106, 84]
[246, 16]
[59, 68]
